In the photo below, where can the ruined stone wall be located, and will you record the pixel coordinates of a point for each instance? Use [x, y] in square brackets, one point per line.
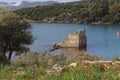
[75, 39]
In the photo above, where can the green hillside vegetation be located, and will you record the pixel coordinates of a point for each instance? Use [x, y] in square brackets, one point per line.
[85, 11]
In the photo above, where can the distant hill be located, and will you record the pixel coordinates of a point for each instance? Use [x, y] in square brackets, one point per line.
[25, 4]
[84, 11]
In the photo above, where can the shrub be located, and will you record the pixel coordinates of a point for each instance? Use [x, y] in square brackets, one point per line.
[116, 58]
[83, 55]
[32, 58]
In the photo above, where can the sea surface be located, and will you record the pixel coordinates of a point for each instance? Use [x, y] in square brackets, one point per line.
[101, 39]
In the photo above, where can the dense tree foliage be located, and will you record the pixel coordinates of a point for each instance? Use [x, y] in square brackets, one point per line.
[14, 34]
[85, 11]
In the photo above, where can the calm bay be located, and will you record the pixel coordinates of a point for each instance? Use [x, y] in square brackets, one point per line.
[101, 39]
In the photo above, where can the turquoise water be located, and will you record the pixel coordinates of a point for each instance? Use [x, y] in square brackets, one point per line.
[101, 39]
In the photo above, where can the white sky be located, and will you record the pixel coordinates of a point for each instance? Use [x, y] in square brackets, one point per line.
[37, 0]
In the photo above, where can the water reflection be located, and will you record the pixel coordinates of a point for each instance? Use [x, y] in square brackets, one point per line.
[71, 53]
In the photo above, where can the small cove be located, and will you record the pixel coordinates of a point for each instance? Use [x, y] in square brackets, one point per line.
[101, 39]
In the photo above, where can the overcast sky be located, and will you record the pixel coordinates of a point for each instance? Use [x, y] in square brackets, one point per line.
[37, 0]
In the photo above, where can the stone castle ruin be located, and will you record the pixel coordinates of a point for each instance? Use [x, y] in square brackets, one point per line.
[74, 40]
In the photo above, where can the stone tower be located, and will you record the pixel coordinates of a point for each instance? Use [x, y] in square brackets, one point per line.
[74, 40]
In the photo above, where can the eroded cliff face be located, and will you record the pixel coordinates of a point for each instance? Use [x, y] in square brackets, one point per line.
[74, 40]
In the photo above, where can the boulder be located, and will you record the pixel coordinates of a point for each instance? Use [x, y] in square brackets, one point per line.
[104, 66]
[74, 40]
[58, 68]
[73, 65]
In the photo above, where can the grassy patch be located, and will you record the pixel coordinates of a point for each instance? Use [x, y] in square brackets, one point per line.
[22, 69]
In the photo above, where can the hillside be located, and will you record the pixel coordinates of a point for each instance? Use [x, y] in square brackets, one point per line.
[85, 11]
[25, 4]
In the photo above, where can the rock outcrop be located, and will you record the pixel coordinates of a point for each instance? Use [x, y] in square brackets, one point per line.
[74, 40]
[56, 69]
[73, 64]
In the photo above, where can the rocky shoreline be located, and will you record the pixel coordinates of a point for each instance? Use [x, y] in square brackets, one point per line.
[67, 22]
